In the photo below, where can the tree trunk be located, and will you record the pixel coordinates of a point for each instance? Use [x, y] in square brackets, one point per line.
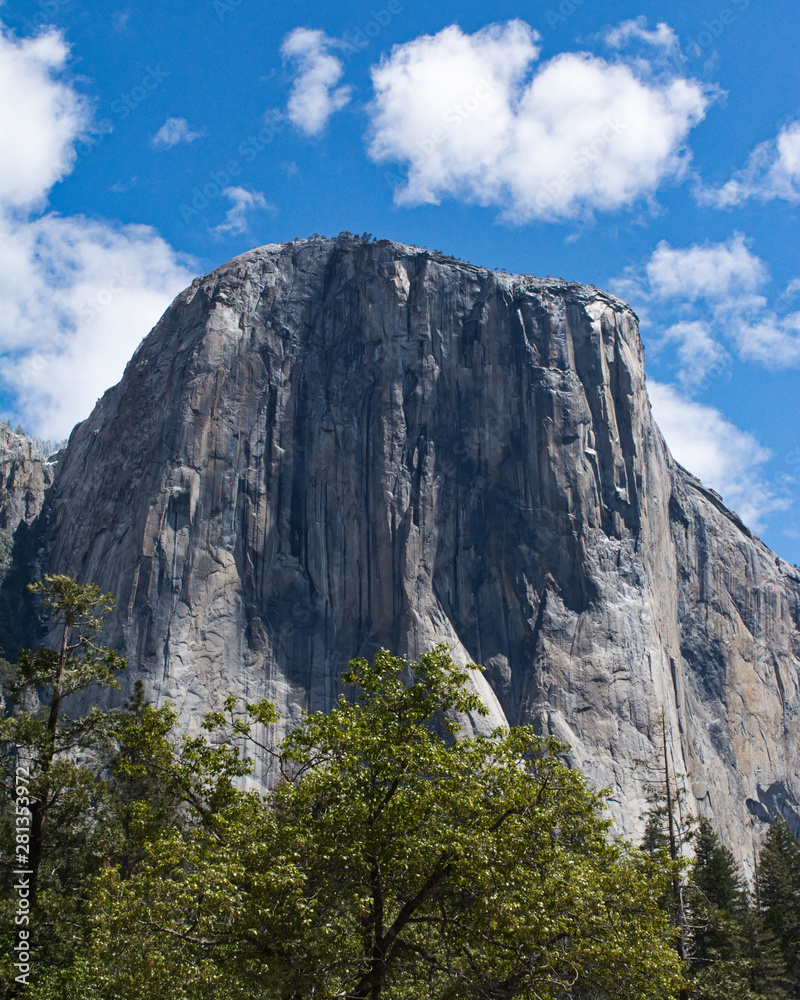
[673, 853]
[39, 808]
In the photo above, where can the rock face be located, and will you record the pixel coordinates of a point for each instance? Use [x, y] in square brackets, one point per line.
[27, 468]
[328, 446]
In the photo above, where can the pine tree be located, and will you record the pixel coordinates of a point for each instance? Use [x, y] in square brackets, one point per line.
[50, 832]
[779, 890]
[142, 800]
[733, 955]
[665, 833]
[716, 906]
[763, 958]
[716, 872]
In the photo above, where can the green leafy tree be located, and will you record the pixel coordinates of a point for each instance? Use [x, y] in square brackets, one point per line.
[395, 858]
[50, 831]
[165, 914]
[143, 798]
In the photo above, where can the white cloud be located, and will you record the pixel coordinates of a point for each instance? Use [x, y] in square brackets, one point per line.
[699, 353]
[721, 455]
[173, 131]
[315, 96]
[78, 295]
[702, 295]
[244, 201]
[792, 290]
[42, 117]
[635, 30]
[581, 134]
[771, 340]
[772, 172]
[712, 271]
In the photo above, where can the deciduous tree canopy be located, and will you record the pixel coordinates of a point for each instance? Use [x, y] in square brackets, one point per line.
[395, 857]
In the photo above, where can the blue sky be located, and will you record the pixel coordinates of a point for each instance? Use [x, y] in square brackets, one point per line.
[645, 147]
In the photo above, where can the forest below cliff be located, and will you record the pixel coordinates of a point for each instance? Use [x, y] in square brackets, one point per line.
[387, 855]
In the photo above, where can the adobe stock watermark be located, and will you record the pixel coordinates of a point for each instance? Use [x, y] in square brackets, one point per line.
[453, 118]
[23, 872]
[45, 14]
[35, 363]
[357, 39]
[353, 40]
[792, 459]
[225, 7]
[713, 27]
[565, 10]
[776, 492]
[582, 159]
[122, 108]
[787, 300]
[89, 309]
[248, 149]
[700, 39]
[92, 306]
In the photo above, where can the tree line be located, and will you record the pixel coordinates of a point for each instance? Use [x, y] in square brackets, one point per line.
[384, 855]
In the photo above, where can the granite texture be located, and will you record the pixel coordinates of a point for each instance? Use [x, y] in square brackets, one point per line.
[27, 468]
[329, 446]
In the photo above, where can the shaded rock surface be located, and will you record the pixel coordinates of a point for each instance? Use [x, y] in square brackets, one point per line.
[329, 446]
[27, 468]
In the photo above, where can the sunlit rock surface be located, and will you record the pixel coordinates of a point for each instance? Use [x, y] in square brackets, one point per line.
[330, 446]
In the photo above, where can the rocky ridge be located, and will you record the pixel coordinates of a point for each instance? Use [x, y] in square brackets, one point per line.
[332, 445]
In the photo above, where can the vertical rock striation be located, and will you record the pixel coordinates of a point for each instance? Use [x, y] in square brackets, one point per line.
[27, 467]
[328, 446]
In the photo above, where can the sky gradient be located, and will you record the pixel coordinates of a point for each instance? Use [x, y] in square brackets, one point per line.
[649, 148]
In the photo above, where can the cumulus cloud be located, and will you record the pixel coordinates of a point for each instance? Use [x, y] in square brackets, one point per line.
[315, 96]
[713, 270]
[42, 117]
[173, 131]
[772, 172]
[792, 290]
[78, 294]
[244, 202]
[698, 352]
[705, 295]
[771, 340]
[78, 297]
[722, 456]
[470, 119]
[635, 30]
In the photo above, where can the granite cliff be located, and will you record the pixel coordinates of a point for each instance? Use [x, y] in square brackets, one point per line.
[27, 468]
[331, 445]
